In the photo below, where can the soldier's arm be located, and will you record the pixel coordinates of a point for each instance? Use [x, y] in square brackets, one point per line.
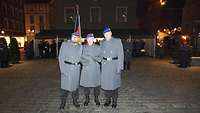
[120, 55]
[97, 57]
[84, 58]
[61, 58]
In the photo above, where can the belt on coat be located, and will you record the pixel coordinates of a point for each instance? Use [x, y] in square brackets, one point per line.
[109, 59]
[66, 62]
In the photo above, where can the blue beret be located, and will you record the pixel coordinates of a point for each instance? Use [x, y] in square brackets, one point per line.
[91, 35]
[76, 34]
[106, 29]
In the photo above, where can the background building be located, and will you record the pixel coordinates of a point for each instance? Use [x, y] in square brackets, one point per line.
[39, 15]
[159, 14]
[12, 20]
[95, 14]
[191, 23]
[120, 15]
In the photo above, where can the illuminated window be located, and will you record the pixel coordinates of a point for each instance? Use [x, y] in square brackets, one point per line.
[95, 14]
[32, 20]
[69, 14]
[32, 28]
[121, 14]
[41, 18]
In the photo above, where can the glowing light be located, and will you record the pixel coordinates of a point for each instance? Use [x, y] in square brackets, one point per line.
[2, 32]
[184, 37]
[174, 29]
[163, 2]
[179, 29]
[142, 50]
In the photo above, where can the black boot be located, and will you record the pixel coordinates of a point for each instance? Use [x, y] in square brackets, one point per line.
[114, 105]
[114, 102]
[75, 103]
[87, 100]
[108, 102]
[62, 105]
[96, 100]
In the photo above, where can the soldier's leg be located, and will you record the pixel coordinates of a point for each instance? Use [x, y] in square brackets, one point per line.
[96, 95]
[87, 98]
[108, 98]
[64, 94]
[114, 98]
[75, 96]
[128, 65]
[125, 65]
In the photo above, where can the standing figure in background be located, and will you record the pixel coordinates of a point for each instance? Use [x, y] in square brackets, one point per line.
[128, 49]
[184, 55]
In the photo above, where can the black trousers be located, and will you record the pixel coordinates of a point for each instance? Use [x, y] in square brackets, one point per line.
[127, 64]
[111, 94]
[65, 93]
[87, 90]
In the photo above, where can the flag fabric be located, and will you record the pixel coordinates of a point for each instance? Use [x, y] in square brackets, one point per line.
[77, 27]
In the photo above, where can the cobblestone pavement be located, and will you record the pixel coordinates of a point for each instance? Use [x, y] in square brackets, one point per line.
[151, 86]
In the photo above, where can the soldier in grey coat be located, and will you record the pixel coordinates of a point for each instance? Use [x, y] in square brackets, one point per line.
[90, 75]
[69, 62]
[112, 64]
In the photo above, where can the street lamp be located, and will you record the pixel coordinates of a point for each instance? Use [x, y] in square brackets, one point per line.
[163, 2]
[2, 32]
[184, 37]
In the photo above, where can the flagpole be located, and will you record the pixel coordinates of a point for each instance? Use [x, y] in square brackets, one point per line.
[79, 18]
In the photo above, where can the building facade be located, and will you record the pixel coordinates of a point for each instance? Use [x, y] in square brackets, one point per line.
[39, 16]
[191, 23]
[12, 20]
[160, 14]
[95, 14]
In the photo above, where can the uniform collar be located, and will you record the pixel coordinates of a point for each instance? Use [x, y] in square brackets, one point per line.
[110, 39]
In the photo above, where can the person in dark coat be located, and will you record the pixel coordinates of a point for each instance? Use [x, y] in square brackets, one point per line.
[53, 49]
[46, 49]
[184, 55]
[69, 63]
[128, 49]
[29, 50]
[3, 53]
[112, 64]
[40, 47]
[160, 50]
[90, 75]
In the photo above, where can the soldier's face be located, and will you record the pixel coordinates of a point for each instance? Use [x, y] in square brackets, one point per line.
[74, 38]
[108, 35]
[90, 41]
